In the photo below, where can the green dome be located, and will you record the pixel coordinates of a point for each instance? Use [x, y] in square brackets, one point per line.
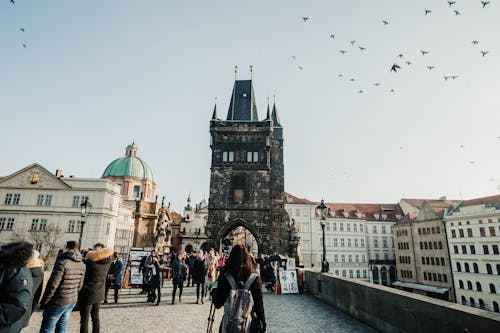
[129, 166]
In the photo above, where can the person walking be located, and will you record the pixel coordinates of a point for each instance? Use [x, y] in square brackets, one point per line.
[62, 289]
[17, 284]
[155, 283]
[190, 263]
[239, 267]
[199, 271]
[115, 277]
[97, 264]
[35, 265]
[142, 269]
[179, 272]
[211, 276]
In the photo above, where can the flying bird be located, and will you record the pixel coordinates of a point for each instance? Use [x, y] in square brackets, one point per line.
[430, 67]
[377, 84]
[12, 2]
[485, 3]
[400, 55]
[424, 52]
[446, 77]
[461, 146]
[332, 36]
[475, 42]
[305, 18]
[484, 53]
[472, 162]
[362, 48]
[454, 77]
[385, 22]
[294, 57]
[24, 45]
[340, 75]
[343, 51]
[360, 91]
[456, 12]
[392, 90]
[428, 11]
[395, 68]
[22, 29]
[451, 3]
[300, 67]
[408, 63]
[352, 42]
[352, 79]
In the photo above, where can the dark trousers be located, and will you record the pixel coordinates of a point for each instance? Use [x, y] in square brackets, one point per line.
[202, 287]
[153, 287]
[189, 279]
[179, 285]
[91, 310]
[113, 285]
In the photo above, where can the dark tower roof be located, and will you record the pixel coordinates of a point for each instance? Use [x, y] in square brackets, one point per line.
[275, 117]
[242, 106]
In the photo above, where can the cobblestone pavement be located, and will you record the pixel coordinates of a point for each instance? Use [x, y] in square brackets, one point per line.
[284, 313]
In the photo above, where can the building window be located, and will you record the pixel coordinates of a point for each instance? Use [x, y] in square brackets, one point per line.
[252, 156]
[461, 284]
[482, 232]
[495, 248]
[349, 242]
[335, 243]
[341, 226]
[6, 223]
[12, 199]
[38, 224]
[8, 199]
[374, 229]
[343, 258]
[495, 307]
[445, 278]
[472, 249]
[16, 198]
[489, 270]
[442, 261]
[440, 245]
[459, 267]
[485, 249]
[492, 231]
[455, 248]
[76, 201]
[39, 201]
[361, 228]
[342, 242]
[375, 243]
[466, 266]
[362, 242]
[351, 274]
[464, 249]
[479, 287]
[461, 233]
[475, 268]
[492, 288]
[469, 232]
[356, 242]
[137, 191]
[355, 227]
[357, 257]
[453, 234]
[348, 227]
[224, 156]
[48, 200]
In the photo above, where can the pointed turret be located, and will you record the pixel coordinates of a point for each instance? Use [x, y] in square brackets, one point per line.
[242, 106]
[278, 129]
[214, 115]
[268, 114]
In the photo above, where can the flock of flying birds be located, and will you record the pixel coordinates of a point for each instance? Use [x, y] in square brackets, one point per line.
[398, 64]
[13, 2]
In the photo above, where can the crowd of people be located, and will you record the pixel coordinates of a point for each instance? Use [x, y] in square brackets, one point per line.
[81, 280]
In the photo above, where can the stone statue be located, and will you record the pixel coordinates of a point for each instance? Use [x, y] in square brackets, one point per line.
[162, 229]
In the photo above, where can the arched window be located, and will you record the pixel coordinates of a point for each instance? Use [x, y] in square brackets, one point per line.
[461, 284]
[495, 307]
[472, 303]
[481, 304]
[459, 267]
[467, 269]
[476, 268]
[478, 286]
[489, 270]
[464, 300]
[492, 288]
[498, 269]
[469, 285]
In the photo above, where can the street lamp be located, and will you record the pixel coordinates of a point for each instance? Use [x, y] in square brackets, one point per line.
[323, 211]
[85, 209]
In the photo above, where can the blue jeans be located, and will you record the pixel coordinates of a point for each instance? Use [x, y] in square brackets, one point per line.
[56, 316]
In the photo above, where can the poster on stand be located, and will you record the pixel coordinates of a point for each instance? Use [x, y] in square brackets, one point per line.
[288, 281]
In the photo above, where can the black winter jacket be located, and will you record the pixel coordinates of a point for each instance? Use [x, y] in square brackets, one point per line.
[16, 285]
[37, 274]
[65, 281]
[199, 271]
[97, 265]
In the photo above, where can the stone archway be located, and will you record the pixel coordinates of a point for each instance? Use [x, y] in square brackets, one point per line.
[231, 225]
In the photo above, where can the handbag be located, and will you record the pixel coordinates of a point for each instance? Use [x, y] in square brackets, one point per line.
[256, 326]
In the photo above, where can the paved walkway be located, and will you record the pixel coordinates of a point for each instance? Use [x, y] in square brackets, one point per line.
[284, 313]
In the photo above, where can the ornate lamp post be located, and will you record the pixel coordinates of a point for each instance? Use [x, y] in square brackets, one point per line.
[85, 210]
[323, 211]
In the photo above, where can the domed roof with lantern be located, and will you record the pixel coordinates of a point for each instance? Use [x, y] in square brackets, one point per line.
[129, 166]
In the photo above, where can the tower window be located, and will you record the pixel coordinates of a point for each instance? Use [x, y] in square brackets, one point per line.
[253, 156]
[137, 190]
[228, 156]
[239, 189]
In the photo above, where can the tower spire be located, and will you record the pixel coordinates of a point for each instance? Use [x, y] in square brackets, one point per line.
[214, 115]
[251, 72]
[268, 114]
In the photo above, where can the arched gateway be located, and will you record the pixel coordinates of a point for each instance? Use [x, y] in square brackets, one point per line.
[246, 177]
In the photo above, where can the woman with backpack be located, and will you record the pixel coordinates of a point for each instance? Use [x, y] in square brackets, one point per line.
[239, 283]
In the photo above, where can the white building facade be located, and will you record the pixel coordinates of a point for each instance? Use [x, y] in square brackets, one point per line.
[473, 232]
[35, 203]
[193, 226]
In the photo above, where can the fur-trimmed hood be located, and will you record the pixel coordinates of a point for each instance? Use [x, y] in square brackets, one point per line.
[15, 254]
[99, 255]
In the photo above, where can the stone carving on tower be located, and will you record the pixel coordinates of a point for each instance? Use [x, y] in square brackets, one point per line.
[247, 175]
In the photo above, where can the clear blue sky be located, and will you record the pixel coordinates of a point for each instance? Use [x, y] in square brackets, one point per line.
[98, 74]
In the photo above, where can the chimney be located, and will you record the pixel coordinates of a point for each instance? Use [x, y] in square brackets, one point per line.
[71, 176]
[58, 173]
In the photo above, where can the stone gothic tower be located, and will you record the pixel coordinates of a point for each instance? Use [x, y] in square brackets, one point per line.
[247, 175]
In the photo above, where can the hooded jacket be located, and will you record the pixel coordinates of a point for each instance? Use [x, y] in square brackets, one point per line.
[97, 265]
[65, 281]
[16, 284]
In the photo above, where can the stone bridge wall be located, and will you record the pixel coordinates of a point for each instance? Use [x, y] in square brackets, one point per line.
[392, 310]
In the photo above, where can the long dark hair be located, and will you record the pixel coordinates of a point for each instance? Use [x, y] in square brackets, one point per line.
[239, 264]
